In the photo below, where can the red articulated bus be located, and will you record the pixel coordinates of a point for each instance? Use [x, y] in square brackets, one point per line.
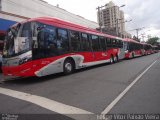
[133, 48]
[147, 49]
[44, 46]
[155, 49]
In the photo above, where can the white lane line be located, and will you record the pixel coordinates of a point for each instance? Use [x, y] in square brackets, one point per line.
[46, 103]
[113, 103]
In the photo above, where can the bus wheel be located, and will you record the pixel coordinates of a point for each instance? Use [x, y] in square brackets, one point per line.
[68, 66]
[132, 55]
[117, 59]
[111, 59]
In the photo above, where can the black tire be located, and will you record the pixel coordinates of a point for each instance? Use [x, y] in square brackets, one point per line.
[117, 59]
[68, 67]
[132, 55]
[111, 59]
[0, 67]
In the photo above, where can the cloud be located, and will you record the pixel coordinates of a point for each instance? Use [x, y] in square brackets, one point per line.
[144, 13]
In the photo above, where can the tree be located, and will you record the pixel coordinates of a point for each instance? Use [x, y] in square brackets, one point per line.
[153, 40]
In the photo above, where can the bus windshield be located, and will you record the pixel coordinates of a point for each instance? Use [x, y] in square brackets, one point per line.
[18, 40]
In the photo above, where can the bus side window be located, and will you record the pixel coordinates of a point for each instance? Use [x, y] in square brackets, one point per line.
[103, 43]
[2, 37]
[75, 41]
[46, 38]
[108, 41]
[118, 43]
[85, 42]
[38, 41]
[62, 41]
[121, 43]
[50, 41]
[114, 43]
[95, 43]
[132, 46]
[125, 46]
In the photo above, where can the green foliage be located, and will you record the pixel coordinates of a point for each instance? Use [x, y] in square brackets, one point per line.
[153, 41]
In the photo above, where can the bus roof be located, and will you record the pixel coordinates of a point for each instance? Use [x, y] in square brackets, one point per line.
[131, 40]
[64, 24]
[147, 44]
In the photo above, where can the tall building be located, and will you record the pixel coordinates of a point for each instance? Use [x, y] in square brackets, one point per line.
[111, 19]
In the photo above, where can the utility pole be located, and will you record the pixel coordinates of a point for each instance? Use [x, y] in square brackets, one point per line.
[117, 23]
[117, 28]
[137, 31]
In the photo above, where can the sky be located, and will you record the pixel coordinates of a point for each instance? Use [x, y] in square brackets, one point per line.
[144, 13]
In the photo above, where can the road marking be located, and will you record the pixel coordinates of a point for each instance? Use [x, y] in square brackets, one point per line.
[116, 100]
[47, 103]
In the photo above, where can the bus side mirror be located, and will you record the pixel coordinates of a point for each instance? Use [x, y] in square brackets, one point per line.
[19, 25]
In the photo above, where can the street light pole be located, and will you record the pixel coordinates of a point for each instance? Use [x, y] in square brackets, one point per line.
[117, 23]
[117, 28]
[137, 31]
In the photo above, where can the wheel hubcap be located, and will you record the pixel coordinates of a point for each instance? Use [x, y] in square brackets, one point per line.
[68, 67]
[111, 60]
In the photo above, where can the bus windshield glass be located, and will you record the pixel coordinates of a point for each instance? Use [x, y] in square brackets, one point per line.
[18, 40]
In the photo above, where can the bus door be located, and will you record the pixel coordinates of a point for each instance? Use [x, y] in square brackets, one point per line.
[86, 48]
[98, 52]
[44, 42]
[103, 47]
[122, 47]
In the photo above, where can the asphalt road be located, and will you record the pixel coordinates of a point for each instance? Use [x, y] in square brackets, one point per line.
[92, 89]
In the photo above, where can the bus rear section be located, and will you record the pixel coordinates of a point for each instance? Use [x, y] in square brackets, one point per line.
[148, 49]
[155, 49]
